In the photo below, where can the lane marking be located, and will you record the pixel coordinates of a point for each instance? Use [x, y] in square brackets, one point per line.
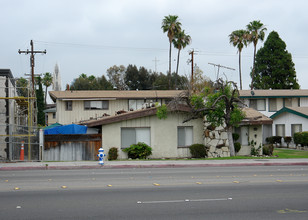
[183, 200]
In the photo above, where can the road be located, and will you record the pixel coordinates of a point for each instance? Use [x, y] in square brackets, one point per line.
[276, 192]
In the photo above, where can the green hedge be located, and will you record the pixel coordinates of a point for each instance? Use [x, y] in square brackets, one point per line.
[273, 140]
[140, 151]
[198, 151]
[301, 138]
[113, 153]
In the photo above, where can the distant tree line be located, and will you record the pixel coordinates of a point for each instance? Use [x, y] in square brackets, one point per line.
[129, 78]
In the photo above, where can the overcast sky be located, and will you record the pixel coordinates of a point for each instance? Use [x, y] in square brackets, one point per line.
[91, 36]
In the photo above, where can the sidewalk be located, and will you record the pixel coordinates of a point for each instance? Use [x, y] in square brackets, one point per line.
[149, 164]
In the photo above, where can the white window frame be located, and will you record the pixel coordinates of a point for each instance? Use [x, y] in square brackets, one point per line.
[257, 102]
[280, 126]
[294, 129]
[185, 136]
[68, 105]
[96, 105]
[131, 135]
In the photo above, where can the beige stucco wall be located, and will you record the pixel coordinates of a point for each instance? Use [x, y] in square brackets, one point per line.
[255, 133]
[163, 134]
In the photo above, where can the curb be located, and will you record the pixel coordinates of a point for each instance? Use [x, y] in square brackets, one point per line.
[150, 166]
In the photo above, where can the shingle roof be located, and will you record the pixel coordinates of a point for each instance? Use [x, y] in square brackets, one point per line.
[113, 94]
[253, 117]
[300, 111]
[275, 93]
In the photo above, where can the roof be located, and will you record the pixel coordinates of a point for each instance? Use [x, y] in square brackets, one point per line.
[50, 110]
[129, 115]
[253, 117]
[273, 93]
[112, 94]
[300, 111]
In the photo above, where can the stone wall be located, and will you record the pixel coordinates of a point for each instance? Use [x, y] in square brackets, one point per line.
[216, 141]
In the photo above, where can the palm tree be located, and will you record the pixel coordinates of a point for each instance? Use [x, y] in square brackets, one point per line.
[239, 39]
[256, 32]
[47, 81]
[180, 41]
[171, 25]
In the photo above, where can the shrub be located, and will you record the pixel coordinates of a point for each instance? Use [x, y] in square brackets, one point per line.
[273, 140]
[235, 136]
[198, 151]
[301, 138]
[268, 150]
[237, 147]
[140, 151]
[113, 153]
[288, 140]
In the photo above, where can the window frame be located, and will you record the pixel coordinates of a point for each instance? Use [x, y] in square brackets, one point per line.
[68, 105]
[257, 108]
[87, 107]
[135, 138]
[284, 130]
[292, 128]
[179, 145]
[269, 105]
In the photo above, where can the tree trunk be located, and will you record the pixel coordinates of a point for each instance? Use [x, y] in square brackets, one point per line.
[253, 67]
[230, 139]
[240, 69]
[169, 84]
[45, 96]
[177, 69]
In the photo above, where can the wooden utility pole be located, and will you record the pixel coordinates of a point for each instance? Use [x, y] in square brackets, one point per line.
[32, 52]
[192, 68]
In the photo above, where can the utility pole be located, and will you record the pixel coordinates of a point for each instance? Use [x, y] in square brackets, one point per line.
[32, 52]
[192, 68]
[155, 64]
[218, 65]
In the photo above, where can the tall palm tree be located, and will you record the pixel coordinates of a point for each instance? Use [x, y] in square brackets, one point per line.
[180, 41]
[171, 25]
[239, 39]
[47, 81]
[256, 32]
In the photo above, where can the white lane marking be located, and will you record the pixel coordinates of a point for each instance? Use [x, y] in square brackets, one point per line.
[183, 200]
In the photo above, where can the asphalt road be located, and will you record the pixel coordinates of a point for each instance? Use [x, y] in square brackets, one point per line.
[175, 193]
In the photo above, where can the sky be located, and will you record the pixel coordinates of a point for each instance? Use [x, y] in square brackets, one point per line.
[91, 36]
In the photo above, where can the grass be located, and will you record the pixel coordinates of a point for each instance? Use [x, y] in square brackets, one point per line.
[290, 153]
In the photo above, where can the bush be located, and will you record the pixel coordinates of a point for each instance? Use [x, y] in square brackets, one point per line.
[140, 151]
[273, 140]
[301, 138]
[198, 151]
[237, 147]
[288, 140]
[113, 153]
[268, 150]
[235, 136]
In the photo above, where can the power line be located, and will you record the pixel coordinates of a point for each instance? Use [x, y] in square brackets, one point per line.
[220, 66]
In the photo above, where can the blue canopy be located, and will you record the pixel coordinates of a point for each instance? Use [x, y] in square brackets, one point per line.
[67, 129]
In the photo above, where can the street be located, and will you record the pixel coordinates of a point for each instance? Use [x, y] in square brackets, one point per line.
[275, 192]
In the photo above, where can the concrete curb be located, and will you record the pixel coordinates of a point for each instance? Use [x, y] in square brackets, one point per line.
[126, 166]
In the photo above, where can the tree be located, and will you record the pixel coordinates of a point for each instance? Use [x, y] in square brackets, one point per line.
[180, 41]
[137, 79]
[274, 67]
[171, 25]
[91, 83]
[40, 102]
[104, 84]
[47, 81]
[256, 32]
[22, 87]
[239, 39]
[220, 108]
[116, 76]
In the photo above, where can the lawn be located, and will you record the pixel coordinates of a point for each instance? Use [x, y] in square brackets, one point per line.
[290, 153]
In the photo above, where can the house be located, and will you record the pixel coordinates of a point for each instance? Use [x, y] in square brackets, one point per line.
[75, 106]
[7, 110]
[50, 114]
[272, 102]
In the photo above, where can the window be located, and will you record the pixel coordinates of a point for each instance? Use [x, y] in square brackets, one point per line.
[272, 105]
[53, 115]
[257, 104]
[68, 105]
[185, 136]
[134, 104]
[131, 136]
[280, 130]
[296, 128]
[96, 105]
